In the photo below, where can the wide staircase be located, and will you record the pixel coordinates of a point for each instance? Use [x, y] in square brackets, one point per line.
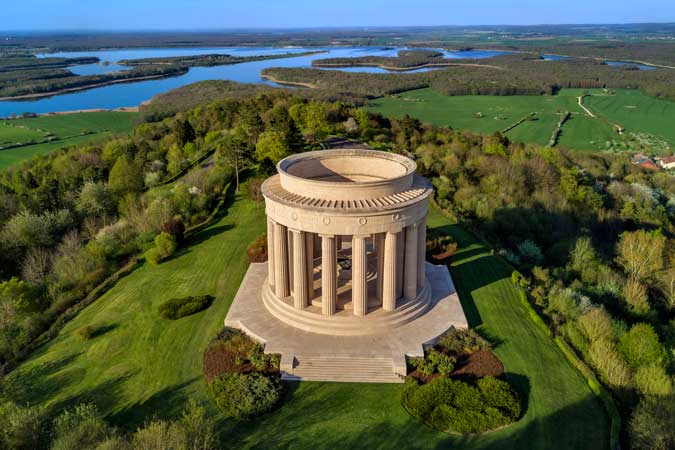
[342, 369]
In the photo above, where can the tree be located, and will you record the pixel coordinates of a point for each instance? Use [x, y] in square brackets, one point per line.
[272, 145]
[165, 246]
[125, 177]
[641, 346]
[95, 200]
[183, 131]
[200, 429]
[653, 380]
[640, 253]
[666, 286]
[80, 428]
[20, 426]
[652, 423]
[635, 294]
[234, 150]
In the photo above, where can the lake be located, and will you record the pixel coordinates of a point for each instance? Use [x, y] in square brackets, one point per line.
[133, 94]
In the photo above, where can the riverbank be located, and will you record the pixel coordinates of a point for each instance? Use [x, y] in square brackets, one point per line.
[92, 86]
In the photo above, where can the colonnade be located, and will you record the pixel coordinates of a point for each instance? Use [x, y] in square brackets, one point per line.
[399, 273]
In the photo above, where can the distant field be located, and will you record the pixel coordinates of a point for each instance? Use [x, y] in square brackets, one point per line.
[637, 112]
[68, 129]
[487, 114]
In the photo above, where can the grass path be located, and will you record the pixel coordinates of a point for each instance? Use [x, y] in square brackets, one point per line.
[142, 365]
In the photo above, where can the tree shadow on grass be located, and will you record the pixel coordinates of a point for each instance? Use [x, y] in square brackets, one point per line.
[164, 404]
[311, 426]
[103, 329]
[40, 382]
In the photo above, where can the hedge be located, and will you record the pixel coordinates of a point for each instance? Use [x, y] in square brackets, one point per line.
[177, 308]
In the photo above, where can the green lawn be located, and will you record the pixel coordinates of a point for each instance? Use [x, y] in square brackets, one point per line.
[637, 112]
[69, 126]
[142, 365]
[632, 109]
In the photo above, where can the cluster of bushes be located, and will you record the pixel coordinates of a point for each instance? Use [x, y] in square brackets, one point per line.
[244, 381]
[461, 406]
[177, 308]
[441, 246]
[84, 428]
[257, 250]
[455, 388]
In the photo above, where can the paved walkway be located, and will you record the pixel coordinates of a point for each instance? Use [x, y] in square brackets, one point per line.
[249, 314]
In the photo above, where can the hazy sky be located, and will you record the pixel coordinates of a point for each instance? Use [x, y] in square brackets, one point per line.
[220, 14]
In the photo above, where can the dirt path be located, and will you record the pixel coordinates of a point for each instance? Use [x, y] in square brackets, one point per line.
[581, 105]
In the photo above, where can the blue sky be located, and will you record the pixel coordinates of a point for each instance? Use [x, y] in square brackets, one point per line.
[221, 14]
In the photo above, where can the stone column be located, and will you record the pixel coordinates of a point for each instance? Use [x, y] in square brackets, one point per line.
[359, 274]
[378, 240]
[400, 245]
[299, 270]
[289, 236]
[270, 252]
[421, 252]
[309, 242]
[328, 275]
[390, 265]
[410, 270]
[281, 287]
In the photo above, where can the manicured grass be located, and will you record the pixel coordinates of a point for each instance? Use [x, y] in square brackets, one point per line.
[141, 365]
[68, 126]
[637, 112]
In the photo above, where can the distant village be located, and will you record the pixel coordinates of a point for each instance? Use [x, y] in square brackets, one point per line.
[654, 163]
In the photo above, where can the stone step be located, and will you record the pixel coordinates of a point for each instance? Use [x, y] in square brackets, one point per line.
[342, 369]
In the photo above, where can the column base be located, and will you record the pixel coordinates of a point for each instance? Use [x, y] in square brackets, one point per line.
[344, 322]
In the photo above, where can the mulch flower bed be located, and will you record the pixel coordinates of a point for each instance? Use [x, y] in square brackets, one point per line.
[479, 364]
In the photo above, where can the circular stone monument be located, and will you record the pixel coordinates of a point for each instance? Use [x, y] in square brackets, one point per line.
[346, 234]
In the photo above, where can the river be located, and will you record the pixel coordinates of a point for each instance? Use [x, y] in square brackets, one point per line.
[134, 93]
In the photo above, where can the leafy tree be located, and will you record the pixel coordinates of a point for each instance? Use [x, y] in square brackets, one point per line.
[80, 428]
[272, 145]
[95, 200]
[184, 132]
[640, 253]
[653, 380]
[641, 346]
[125, 177]
[234, 150]
[635, 294]
[652, 423]
[21, 427]
[165, 246]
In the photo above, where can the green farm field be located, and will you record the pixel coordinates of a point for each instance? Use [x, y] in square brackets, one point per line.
[142, 366]
[68, 129]
[636, 112]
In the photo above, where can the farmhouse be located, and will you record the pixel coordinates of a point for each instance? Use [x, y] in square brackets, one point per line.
[346, 292]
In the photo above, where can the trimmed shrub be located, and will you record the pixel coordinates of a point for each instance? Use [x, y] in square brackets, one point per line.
[257, 250]
[165, 246]
[243, 396]
[85, 333]
[461, 407]
[177, 308]
[459, 342]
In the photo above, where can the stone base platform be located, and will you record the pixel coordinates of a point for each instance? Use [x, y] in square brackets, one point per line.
[378, 357]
